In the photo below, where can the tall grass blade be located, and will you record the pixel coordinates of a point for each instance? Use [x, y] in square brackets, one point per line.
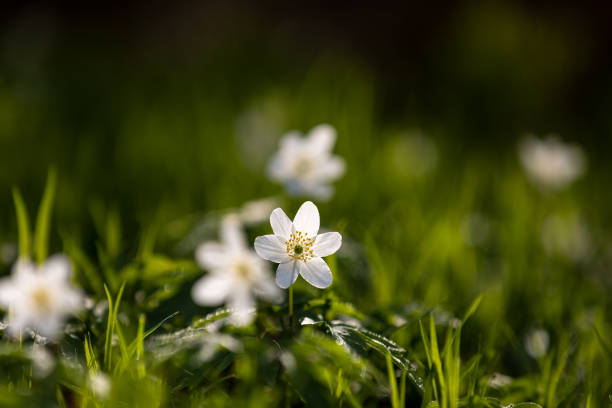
[43, 219]
[23, 224]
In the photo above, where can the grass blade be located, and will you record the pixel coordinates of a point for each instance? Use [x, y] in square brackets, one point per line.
[23, 224]
[113, 308]
[392, 381]
[43, 219]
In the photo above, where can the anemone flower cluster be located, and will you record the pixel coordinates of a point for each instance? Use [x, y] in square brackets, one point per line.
[237, 276]
[39, 298]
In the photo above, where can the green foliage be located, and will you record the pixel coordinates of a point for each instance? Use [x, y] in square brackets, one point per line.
[444, 271]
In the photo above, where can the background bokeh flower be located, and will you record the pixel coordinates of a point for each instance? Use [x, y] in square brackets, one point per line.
[305, 164]
[236, 274]
[551, 163]
[40, 297]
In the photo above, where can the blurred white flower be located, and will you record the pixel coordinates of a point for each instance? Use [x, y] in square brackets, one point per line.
[305, 165]
[257, 211]
[42, 361]
[306, 321]
[297, 247]
[39, 297]
[550, 163]
[100, 384]
[236, 274]
[536, 343]
[497, 380]
[215, 341]
[566, 235]
[288, 361]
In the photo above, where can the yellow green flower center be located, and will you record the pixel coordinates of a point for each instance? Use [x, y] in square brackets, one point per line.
[244, 270]
[299, 246]
[303, 166]
[41, 299]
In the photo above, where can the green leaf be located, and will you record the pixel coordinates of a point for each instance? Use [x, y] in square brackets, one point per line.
[603, 344]
[163, 346]
[113, 308]
[361, 339]
[392, 381]
[43, 220]
[23, 224]
[60, 398]
[472, 309]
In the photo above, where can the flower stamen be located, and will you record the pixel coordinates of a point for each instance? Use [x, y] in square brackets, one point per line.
[299, 246]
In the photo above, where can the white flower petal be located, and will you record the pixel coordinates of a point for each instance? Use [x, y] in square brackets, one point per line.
[16, 325]
[242, 317]
[286, 274]
[331, 168]
[242, 303]
[241, 298]
[320, 191]
[276, 168]
[327, 244]
[291, 142]
[8, 292]
[322, 138]
[211, 255]
[72, 300]
[231, 233]
[296, 188]
[281, 224]
[258, 211]
[57, 268]
[49, 326]
[269, 247]
[267, 289]
[307, 219]
[316, 272]
[211, 290]
[23, 268]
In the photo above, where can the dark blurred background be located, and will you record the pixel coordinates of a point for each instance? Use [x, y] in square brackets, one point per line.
[143, 104]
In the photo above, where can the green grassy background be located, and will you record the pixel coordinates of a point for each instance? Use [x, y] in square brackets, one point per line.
[150, 135]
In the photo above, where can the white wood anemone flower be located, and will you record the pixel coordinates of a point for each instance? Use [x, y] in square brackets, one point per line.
[550, 163]
[236, 274]
[298, 247]
[40, 297]
[305, 165]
